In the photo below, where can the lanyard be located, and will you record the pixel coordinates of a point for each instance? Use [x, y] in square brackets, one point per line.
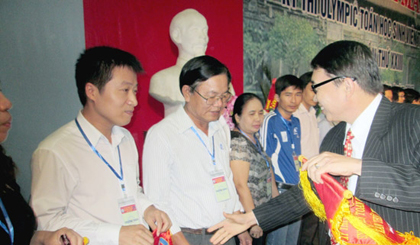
[213, 156]
[120, 177]
[257, 145]
[289, 131]
[9, 229]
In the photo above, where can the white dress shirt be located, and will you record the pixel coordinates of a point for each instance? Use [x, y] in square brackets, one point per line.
[177, 167]
[72, 187]
[309, 141]
[360, 129]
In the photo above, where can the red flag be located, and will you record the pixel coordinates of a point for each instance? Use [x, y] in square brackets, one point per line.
[350, 220]
[165, 238]
[271, 102]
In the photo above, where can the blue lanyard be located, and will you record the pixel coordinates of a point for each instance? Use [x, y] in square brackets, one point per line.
[9, 229]
[289, 132]
[120, 177]
[257, 145]
[213, 156]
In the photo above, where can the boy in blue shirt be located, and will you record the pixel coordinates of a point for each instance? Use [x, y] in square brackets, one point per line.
[280, 137]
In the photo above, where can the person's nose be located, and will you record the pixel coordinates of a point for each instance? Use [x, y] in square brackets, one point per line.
[132, 100]
[5, 103]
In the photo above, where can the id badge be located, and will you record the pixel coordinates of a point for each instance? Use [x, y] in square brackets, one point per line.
[220, 186]
[128, 211]
[284, 136]
[297, 162]
[269, 186]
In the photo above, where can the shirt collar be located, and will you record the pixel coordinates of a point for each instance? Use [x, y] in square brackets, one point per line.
[361, 126]
[302, 109]
[94, 135]
[279, 115]
[185, 123]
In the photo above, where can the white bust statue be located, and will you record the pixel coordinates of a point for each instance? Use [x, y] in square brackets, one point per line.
[188, 30]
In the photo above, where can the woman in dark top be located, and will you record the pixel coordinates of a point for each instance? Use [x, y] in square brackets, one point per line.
[251, 167]
[17, 220]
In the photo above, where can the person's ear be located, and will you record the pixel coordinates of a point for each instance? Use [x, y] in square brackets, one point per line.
[186, 92]
[237, 118]
[350, 85]
[91, 91]
[277, 97]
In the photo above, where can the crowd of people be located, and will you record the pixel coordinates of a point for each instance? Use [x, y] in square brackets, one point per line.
[196, 172]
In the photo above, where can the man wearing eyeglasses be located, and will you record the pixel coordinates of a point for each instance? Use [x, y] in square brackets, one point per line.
[383, 167]
[186, 156]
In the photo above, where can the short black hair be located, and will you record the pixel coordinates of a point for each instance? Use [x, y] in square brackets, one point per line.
[200, 69]
[350, 59]
[306, 78]
[240, 102]
[395, 91]
[411, 95]
[286, 81]
[95, 65]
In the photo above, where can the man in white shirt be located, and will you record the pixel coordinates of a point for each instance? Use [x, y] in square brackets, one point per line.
[85, 175]
[186, 156]
[306, 113]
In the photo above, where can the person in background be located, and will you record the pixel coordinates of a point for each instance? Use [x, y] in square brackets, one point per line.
[251, 167]
[398, 95]
[387, 92]
[412, 96]
[85, 175]
[280, 137]
[309, 142]
[17, 220]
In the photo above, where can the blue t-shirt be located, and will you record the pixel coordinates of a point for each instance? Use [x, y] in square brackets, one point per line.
[278, 136]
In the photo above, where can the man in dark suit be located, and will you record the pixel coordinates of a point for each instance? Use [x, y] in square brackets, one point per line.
[383, 169]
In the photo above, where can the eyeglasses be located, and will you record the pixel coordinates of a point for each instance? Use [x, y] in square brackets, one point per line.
[212, 100]
[314, 86]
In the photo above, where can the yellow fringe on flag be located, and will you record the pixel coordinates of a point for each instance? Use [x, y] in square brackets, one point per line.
[342, 213]
[312, 199]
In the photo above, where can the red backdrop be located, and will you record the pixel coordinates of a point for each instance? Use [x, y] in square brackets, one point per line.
[141, 27]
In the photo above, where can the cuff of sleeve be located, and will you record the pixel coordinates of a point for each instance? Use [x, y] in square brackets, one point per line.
[106, 234]
[174, 228]
[145, 203]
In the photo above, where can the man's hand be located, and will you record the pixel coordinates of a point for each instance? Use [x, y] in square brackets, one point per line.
[157, 219]
[54, 237]
[135, 235]
[333, 164]
[245, 238]
[231, 226]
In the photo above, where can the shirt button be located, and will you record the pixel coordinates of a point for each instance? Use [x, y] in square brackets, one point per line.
[395, 200]
[389, 198]
[382, 196]
[377, 194]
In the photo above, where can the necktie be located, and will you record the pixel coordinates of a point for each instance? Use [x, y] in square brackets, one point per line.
[348, 149]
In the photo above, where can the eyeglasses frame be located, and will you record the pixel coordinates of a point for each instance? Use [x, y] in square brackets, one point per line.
[217, 97]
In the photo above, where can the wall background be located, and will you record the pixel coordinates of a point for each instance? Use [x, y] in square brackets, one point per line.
[39, 44]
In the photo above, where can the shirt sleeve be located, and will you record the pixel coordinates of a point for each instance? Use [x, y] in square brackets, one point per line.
[157, 161]
[52, 186]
